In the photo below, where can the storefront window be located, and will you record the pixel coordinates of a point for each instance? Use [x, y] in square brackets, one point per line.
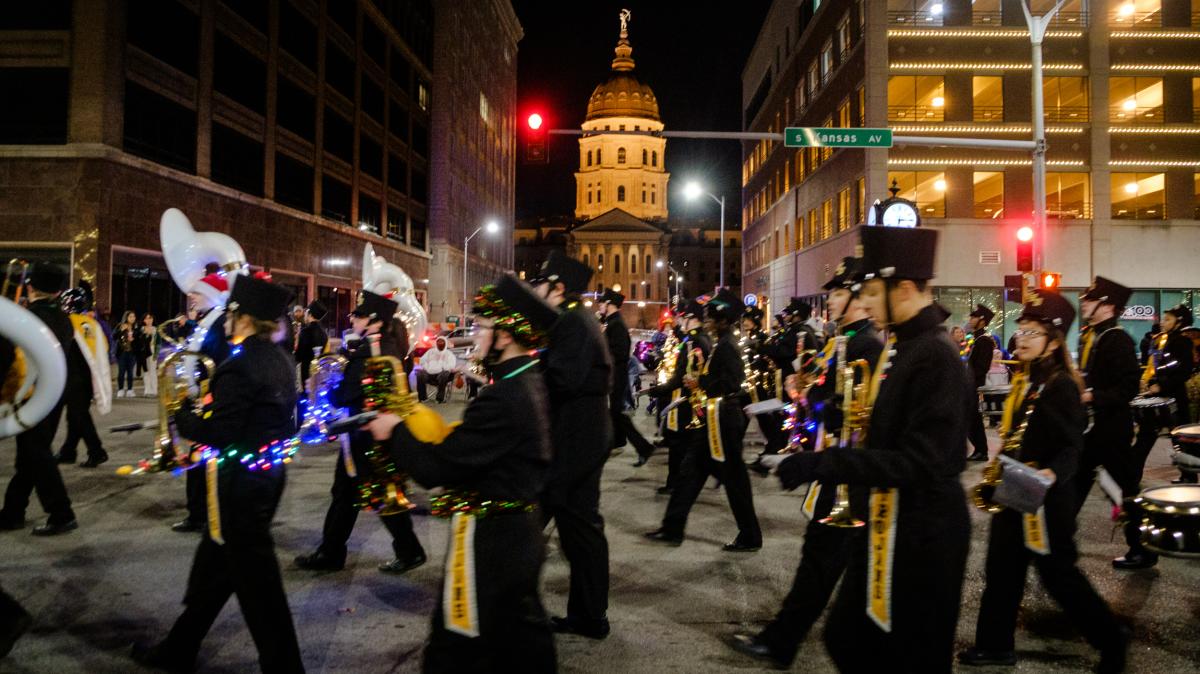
[1068, 196]
[1135, 99]
[914, 98]
[926, 188]
[988, 99]
[989, 194]
[1138, 196]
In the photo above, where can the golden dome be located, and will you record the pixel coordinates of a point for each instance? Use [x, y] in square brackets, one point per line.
[623, 95]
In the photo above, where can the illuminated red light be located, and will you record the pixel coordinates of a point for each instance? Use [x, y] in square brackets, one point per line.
[1025, 234]
[535, 121]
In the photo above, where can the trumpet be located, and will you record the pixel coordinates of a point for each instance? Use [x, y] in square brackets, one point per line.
[697, 398]
[855, 414]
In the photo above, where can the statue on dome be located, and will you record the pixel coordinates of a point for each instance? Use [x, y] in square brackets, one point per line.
[625, 16]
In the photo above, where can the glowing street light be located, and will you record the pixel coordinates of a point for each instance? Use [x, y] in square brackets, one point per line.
[491, 227]
[693, 190]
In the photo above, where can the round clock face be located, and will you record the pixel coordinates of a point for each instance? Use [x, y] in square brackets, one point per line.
[899, 215]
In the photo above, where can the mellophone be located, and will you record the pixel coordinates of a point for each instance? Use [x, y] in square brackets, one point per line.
[1170, 514]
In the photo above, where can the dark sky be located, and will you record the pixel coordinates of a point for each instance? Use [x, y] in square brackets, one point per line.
[691, 54]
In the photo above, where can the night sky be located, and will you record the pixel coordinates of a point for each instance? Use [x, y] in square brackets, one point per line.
[691, 54]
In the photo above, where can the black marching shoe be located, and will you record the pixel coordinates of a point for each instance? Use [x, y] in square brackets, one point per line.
[95, 461]
[977, 456]
[664, 490]
[978, 657]
[11, 523]
[592, 629]
[1135, 560]
[398, 566]
[759, 468]
[1115, 652]
[319, 561]
[737, 545]
[664, 537]
[187, 527]
[748, 644]
[54, 529]
[62, 458]
[156, 657]
[641, 460]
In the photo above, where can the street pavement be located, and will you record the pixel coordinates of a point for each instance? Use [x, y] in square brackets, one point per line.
[121, 577]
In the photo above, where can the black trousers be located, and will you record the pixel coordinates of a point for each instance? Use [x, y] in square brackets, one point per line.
[80, 426]
[676, 450]
[695, 468]
[976, 434]
[245, 566]
[1007, 562]
[441, 380]
[771, 426]
[625, 432]
[823, 559]
[514, 633]
[1110, 443]
[36, 470]
[574, 505]
[197, 495]
[343, 513]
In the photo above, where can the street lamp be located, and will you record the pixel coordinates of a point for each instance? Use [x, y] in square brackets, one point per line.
[678, 278]
[692, 191]
[491, 228]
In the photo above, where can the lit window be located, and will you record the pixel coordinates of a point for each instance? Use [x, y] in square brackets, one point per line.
[827, 59]
[989, 194]
[644, 156]
[1065, 99]
[988, 99]
[1138, 196]
[827, 219]
[985, 12]
[860, 190]
[654, 158]
[1068, 195]
[916, 98]
[1136, 14]
[843, 210]
[589, 158]
[1196, 196]
[1135, 99]
[422, 96]
[922, 187]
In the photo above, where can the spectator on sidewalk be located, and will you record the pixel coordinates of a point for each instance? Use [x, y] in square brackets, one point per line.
[126, 350]
[437, 366]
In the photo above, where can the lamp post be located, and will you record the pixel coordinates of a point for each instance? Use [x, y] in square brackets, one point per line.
[694, 190]
[1037, 33]
[491, 227]
[659, 264]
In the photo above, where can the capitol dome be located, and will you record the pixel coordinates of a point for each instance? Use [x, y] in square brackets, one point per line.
[623, 95]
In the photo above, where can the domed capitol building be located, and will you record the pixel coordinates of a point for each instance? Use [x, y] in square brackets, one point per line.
[621, 226]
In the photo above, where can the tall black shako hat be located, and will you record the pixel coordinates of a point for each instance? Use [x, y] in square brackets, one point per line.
[374, 307]
[898, 252]
[1182, 314]
[983, 312]
[318, 310]
[1107, 291]
[797, 307]
[573, 274]
[753, 314]
[516, 309]
[845, 275]
[725, 305]
[1049, 308]
[612, 297]
[693, 309]
[47, 277]
[261, 299]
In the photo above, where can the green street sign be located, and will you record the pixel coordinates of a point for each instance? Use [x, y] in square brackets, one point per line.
[799, 136]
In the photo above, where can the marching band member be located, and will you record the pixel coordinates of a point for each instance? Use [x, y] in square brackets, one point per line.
[578, 373]
[979, 360]
[93, 380]
[494, 465]
[36, 469]
[717, 448]
[676, 431]
[616, 336]
[1109, 363]
[754, 346]
[1043, 424]
[311, 337]
[373, 315]
[1172, 367]
[249, 411]
[898, 604]
[826, 549]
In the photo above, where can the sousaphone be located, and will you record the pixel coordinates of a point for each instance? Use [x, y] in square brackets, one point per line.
[39, 361]
[384, 278]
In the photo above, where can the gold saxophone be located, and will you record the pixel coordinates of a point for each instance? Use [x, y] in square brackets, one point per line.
[697, 398]
[856, 412]
[666, 364]
[993, 472]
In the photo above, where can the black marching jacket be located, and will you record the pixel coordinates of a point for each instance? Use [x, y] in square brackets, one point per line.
[312, 336]
[616, 336]
[1111, 373]
[1173, 366]
[979, 360]
[863, 343]
[696, 339]
[1054, 436]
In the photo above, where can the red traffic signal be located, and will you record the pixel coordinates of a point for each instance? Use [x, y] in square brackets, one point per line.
[537, 149]
[1025, 249]
[1049, 280]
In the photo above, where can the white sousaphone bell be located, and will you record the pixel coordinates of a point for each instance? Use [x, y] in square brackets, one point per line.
[188, 253]
[44, 364]
[384, 278]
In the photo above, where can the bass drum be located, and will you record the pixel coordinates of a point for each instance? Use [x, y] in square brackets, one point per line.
[1171, 519]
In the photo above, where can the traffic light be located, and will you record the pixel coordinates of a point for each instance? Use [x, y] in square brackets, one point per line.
[1049, 280]
[1025, 248]
[1014, 288]
[537, 149]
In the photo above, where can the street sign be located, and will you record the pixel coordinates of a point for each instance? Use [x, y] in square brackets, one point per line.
[750, 299]
[800, 136]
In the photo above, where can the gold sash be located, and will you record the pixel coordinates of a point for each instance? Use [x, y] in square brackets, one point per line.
[1036, 538]
[1088, 340]
[214, 507]
[810, 499]
[459, 605]
[673, 415]
[881, 556]
[716, 449]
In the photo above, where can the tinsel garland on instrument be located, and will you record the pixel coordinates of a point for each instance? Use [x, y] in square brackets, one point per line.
[489, 304]
[383, 490]
[275, 453]
[465, 501]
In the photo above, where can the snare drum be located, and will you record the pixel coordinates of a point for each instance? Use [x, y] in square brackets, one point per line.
[1153, 410]
[1171, 519]
[1187, 439]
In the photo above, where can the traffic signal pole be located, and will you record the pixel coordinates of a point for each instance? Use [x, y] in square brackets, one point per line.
[1037, 33]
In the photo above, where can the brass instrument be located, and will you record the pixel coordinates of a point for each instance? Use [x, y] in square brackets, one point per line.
[993, 472]
[855, 413]
[174, 384]
[697, 398]
[666, 364]
[38, 356]
[385, 389]
[8, 275]
[325, 375]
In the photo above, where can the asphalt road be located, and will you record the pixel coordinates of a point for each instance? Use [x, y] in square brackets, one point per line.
[120, 577]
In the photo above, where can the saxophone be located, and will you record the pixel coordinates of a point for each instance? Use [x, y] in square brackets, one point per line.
[385, 389]
[856, 413]
[666, 364]
[993, 472]
[697, 398]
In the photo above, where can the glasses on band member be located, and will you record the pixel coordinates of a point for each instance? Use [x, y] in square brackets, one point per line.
[1030, 334]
